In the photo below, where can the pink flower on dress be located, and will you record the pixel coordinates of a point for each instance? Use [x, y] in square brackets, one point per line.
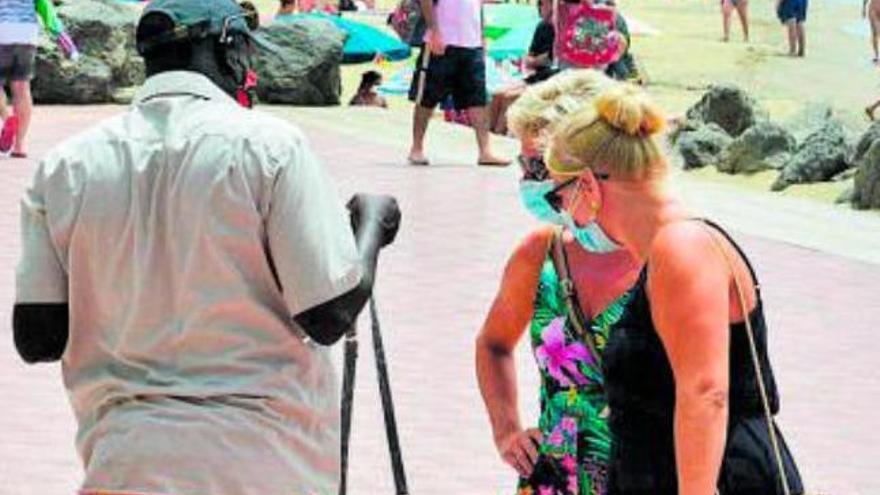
[545, 490]
[556, 438]
[569, 425]
[569, 463]
[572, 483]
[561, 359]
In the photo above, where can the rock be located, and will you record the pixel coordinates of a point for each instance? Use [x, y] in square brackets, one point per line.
[865, 142]
[89, 80]
[867, 182]
[808, 120]
[728, 106]
[103, 30]
[847, 195]
[764, 146]
[820, 157]
[306, 72]
[701, 145]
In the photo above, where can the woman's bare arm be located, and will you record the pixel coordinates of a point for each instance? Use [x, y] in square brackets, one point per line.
[689, 286]
[496, 371]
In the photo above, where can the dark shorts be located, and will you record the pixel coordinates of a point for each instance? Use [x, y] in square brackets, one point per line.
[460, 72]
[792, 9]
[17, 62]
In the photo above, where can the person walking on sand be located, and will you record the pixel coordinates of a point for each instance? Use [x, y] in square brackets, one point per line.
[742, 11]
[19, 32]
[793, 14]
[871, 11]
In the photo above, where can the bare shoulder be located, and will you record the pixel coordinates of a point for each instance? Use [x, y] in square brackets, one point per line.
[682, 250]
[532, 249]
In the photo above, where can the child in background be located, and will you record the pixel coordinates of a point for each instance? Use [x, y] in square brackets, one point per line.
[53, 25]
[366, 94]
[871, 10]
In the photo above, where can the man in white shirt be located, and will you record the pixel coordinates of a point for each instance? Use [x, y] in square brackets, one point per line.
[452, 63]
[184, 261]
[19, 31]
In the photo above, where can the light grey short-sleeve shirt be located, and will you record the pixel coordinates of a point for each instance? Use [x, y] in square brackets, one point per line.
[185, 234]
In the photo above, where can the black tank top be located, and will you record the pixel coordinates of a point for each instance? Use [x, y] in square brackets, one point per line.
[641, 394]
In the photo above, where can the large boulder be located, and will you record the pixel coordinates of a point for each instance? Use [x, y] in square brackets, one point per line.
[764, 146]
[866, 190]
[728, 106]
[701, 145]
[306, 70]
[103, 30]
[871, 135]
[88, 80]
[810, 118]
[820, 157]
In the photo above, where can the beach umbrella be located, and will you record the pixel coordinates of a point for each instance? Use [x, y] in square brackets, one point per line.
[499, 18]
[497, 79]
[363, 42]
[514, 43]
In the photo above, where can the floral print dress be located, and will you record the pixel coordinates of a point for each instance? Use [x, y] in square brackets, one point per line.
[577, 442]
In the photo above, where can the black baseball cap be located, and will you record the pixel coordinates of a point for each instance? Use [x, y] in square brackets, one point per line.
[197, 19]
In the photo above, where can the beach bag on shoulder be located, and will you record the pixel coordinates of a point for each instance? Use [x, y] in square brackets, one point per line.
[408, 22]
[587, 35]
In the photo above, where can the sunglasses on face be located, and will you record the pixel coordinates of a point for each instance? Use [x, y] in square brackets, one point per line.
[554, 197]
[533, 167]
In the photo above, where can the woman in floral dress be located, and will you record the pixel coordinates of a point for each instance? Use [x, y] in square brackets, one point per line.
[568, 451]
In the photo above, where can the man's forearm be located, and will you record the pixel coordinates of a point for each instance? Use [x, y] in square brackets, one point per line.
[428, 14]
[40, 331]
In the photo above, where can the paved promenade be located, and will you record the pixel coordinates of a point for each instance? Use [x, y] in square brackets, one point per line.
[819, 266]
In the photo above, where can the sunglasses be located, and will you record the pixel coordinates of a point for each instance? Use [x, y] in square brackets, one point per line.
[533, 168]
[554, 196]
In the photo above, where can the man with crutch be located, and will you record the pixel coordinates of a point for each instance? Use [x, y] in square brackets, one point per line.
[186, 262]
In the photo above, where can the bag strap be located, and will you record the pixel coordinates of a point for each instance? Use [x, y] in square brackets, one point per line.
[569, 293]
[351, 355]
[768, 415]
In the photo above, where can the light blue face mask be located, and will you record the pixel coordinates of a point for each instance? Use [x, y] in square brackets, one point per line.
[591, 237]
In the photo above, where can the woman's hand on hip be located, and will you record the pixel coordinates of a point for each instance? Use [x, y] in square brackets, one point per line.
[520, 450]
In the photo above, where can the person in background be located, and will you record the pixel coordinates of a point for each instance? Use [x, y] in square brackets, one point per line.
[871, 10]
[742, 11]
[793, 14]
[539, 60]
[451, 62]
[366, 93]
[19, 32]
[287, 8]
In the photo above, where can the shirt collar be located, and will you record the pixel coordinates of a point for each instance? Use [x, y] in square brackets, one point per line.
[180, 82]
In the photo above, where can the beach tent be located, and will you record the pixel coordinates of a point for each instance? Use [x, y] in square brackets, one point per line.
[514, 43]
[364, 42]
[499, 18]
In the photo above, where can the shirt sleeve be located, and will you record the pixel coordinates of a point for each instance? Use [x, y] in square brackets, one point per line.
[40, 276]
[542, 40]
[310, 238]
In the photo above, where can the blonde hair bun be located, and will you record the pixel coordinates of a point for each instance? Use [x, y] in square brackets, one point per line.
[628, 109]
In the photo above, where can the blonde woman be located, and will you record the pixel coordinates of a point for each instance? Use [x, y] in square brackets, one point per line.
[688, 416]
[567, 451]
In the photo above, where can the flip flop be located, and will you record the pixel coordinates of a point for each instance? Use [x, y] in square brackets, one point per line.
[418, 161]
[7, 135]
[18, 155]
[493, 163]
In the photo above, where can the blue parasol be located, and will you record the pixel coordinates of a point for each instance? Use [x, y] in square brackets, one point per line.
[363, 42]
